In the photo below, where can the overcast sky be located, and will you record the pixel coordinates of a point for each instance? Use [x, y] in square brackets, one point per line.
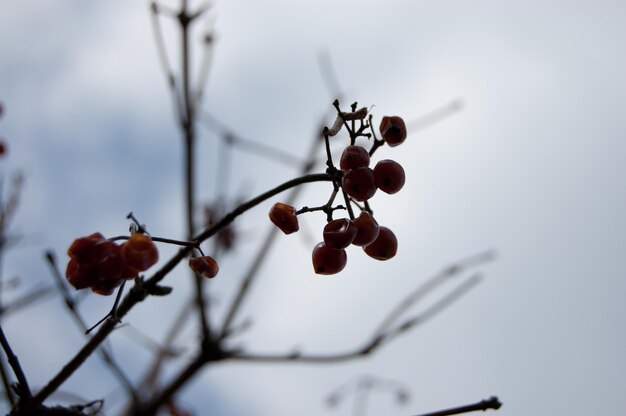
[531, 166]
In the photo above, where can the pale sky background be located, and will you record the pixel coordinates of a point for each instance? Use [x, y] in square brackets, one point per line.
[532, 167]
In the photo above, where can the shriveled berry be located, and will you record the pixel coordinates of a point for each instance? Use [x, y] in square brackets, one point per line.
[79, 275]
[359, 183]
[384, 247]
[106, 287]
[87, 249]
[339, 233]
[393, 130]
[328, 260]
[284, 217]
[366, 229]
[354, 157]
[205, 266]
[389, 176]
[139, 252]
[110, 266]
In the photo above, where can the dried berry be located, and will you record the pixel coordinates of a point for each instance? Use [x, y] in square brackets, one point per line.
[139, 252]
[205, 266]
[284, 217]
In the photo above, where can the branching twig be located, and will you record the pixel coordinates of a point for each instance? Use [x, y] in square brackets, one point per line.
[385, 332]
[430, 285]
[140, 291]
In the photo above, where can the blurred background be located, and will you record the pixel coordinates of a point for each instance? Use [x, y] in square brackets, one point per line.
[525, 156]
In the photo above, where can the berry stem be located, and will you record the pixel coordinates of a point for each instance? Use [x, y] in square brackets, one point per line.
[112, 312]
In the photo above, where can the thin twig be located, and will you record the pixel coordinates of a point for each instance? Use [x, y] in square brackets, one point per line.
[430, 285]
[491, 403]
[253, 147]
[14, 362]
[435, 116]
[162, 53]
[26, 300]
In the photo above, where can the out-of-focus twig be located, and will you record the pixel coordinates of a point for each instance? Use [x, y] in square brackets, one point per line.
[24, 389]
[388, 329]
[70, 303]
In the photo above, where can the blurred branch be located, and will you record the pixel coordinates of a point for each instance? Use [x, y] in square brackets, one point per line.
[233, 139]
[157, 9]
[430, 285]
[70, 303]
[26, 300]
[23, 388]
[329, 75]
[386, 331]
[265, 246]
[435, 116]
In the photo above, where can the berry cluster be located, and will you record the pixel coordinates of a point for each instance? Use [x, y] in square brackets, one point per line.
[358, 183]
[103, 265]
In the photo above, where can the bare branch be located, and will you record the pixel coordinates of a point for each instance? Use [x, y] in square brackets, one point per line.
[491, 403]
[139, 292]
[432, 284]
[14, 362]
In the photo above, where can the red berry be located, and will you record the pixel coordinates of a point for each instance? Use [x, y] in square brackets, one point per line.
[339, 233]
[88, 249]
[205, 266]
[393, 130]
[354, 157]
[139, 252]
[366, 229]
[328, 260]
[110, 266]
[384, 247]
[106, 286]
[359, 183]
[284, 217]
[389, 176]
[80, 276]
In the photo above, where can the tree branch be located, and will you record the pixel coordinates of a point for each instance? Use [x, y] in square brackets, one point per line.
[142, 289]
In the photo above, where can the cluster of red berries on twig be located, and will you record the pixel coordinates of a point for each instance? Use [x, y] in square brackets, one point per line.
[357, 182]
[103, 265]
